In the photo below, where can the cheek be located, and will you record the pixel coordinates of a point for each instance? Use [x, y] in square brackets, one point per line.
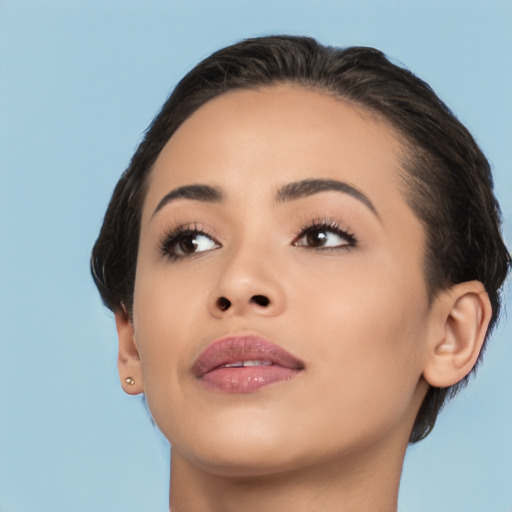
[165, 316]
[368, 337]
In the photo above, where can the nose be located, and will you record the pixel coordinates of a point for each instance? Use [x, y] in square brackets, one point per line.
[247, 284]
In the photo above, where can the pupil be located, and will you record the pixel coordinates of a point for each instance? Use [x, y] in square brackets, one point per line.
[317, 238]
[188, 244]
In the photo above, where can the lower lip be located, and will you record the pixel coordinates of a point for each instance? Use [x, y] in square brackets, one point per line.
[246, 379]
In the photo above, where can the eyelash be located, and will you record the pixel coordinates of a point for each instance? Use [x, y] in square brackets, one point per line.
[174, 236]
[331, 226]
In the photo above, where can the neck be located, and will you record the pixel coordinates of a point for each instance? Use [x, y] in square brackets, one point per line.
[344, 484]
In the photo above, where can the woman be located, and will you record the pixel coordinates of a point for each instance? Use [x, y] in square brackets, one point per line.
[304, 260]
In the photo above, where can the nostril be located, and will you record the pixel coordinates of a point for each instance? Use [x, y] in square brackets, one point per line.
[223, 304]
[260, 300]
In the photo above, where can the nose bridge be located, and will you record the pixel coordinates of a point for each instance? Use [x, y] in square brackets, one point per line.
[248, 281]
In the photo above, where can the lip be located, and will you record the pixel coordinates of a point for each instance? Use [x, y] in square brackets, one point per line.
[278, 365]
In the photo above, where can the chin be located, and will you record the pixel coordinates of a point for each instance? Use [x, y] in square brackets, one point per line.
[243, 449]
[243, 465]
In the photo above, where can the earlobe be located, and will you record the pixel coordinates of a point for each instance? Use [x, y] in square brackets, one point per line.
[465, 311]
[128, 361]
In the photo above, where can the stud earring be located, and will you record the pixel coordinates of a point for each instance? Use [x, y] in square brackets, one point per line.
[129, 381]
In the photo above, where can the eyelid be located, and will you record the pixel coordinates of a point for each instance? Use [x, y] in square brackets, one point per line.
[172, 234]
[326, 224]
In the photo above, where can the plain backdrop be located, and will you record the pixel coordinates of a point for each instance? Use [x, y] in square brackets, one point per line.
[79, 83]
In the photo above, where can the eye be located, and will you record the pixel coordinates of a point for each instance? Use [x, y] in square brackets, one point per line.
[324, 236]
[186, 242]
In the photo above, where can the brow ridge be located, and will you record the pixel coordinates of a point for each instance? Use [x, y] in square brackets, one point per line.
[288, 192]
[311, 186]
[194, 192]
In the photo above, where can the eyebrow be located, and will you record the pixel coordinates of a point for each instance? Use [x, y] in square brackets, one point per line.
[288, 192]
[198, 192]
[309, 187]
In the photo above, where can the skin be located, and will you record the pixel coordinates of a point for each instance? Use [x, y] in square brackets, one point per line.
[334, 437]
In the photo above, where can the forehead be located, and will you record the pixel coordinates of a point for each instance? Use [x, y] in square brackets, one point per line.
[247, 140]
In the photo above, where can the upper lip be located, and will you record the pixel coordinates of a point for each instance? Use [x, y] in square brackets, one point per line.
[233, 349]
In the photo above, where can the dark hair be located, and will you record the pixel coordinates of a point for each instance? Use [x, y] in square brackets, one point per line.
[447, 179]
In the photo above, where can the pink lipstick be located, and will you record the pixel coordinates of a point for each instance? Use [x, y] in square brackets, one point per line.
[243, 364]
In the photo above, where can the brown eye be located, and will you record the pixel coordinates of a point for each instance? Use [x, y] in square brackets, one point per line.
[186, 243]
[193, 242]
[316, 238]
[324, 237]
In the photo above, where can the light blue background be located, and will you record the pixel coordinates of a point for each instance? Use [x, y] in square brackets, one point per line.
[79, 83]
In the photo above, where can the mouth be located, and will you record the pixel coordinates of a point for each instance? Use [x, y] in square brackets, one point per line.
[244, 364]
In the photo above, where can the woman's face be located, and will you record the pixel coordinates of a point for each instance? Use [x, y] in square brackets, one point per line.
[298, 256]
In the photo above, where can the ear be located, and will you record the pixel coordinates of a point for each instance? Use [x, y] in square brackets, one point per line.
[128, 361]
[465, 312]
